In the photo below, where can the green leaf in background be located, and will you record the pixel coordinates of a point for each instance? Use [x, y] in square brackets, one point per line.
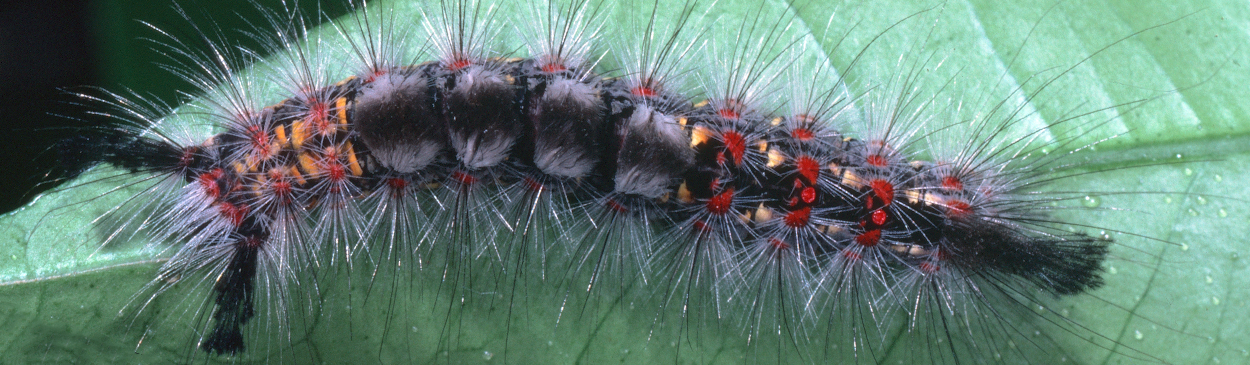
[1175, 286]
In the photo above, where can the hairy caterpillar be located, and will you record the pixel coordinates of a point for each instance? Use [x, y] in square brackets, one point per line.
[888, 19]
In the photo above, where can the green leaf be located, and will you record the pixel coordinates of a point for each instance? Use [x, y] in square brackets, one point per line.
[1175, 286]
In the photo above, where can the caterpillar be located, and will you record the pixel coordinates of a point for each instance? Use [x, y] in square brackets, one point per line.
[491, 247]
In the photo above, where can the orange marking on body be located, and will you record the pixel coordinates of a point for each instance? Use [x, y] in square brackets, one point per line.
[307, 163]
[775, 158]
[341, 105]
[298, 133]
[280, 132]
[352, 163]
[699, 135]
[298, 177]
[684, 194]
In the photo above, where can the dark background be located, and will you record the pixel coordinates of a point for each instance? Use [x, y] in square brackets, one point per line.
[49, 46]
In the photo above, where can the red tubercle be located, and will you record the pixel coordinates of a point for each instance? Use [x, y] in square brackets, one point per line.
[396, 184]
[807, 167]
[330, 153]
[952, 183]
[282, 189]
[374, 74]
[879, 217]
[646, 88]
[616, 206]
[882, 190]
[532, 184]
[553, 67]
[735, 144]
[643, 91]
[396, 187]
[233, 213]
[802, 134]
[208, 182]
[188, 156]
[457, 62]
[318, 116]
[929, 267]
[778, 244]
[798, 218]
[463, 178]
[335, 171]
[808, 195]
[958, 209]
[869, 238]
[877, 160]
[851, 255]
[719, 204]
[701, 226]
[252, 242]
[259, 138]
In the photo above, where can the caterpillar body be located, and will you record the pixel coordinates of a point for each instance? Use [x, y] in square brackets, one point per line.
[817, 223]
